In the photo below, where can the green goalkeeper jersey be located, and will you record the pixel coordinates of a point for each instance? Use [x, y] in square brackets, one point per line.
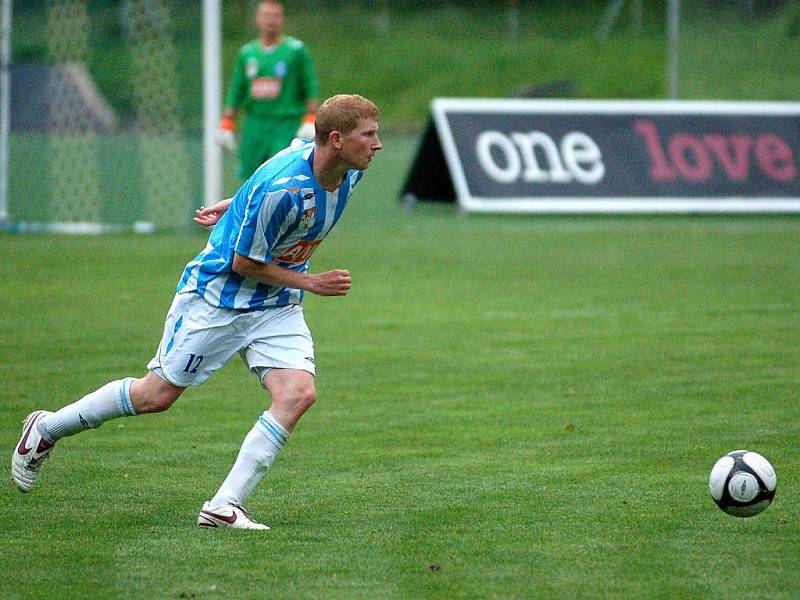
[273, 82]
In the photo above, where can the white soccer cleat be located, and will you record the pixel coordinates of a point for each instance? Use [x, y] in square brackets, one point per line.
[31, 452]
[229, 515]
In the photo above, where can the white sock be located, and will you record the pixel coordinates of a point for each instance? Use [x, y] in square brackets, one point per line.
[259, 449]
[109, 402]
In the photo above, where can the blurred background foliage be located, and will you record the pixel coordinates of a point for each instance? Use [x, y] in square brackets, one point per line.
[402, 53]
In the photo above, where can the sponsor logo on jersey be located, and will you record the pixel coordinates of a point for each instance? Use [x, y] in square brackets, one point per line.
[265, 87]
[280, 69]
[300, 252]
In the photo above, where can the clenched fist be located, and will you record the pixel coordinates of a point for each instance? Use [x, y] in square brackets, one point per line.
[331, 283]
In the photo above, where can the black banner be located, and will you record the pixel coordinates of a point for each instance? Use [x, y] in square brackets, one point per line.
[563, 156]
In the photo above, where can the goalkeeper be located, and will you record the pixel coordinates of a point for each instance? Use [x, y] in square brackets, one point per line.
[276, 88]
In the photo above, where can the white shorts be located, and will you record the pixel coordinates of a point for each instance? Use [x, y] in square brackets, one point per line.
[200, 338]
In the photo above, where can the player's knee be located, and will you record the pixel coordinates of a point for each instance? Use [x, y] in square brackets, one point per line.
[297, 400]
[152, 403]
[151, 395]
[160, 400]
[306, 399]
[293, 393]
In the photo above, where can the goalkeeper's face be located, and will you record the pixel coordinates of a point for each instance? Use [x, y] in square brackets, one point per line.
[269, 20]
[359, 147]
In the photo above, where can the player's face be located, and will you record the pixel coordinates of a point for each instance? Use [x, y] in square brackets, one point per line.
[360, 145]
[269, 20]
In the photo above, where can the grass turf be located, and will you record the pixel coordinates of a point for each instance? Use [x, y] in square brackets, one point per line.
[508, 407]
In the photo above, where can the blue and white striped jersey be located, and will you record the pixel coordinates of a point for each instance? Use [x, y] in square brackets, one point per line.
[280, 215]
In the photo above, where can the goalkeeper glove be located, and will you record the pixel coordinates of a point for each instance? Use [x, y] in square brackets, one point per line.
[307, 129]
[225, 137]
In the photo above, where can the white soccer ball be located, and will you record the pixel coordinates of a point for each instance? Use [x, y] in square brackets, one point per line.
[742, 483]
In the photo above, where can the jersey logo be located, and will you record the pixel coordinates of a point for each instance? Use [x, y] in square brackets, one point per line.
[309, 216]
[265, 87]
[251, 68]
[309, 202]
[300, 252]
[280, 69]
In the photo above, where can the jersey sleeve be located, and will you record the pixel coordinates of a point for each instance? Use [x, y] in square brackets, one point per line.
[237, 92]
[309, 80]
[267, 218]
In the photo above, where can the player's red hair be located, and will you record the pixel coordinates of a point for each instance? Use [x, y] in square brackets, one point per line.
[342, 113]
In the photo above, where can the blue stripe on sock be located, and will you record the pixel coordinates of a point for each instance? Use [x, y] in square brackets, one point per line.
[278, 427]
[121, 398]
[273, 430]
[267, 431]
[125, 396]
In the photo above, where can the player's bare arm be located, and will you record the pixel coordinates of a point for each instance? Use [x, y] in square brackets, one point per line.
[329, 283]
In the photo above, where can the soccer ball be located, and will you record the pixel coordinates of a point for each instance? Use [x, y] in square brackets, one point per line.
[742, 483]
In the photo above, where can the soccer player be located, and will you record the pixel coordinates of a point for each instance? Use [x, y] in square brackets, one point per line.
[274, 84]
[241, 294]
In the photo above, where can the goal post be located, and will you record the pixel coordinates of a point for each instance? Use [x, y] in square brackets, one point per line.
[212, 99]
[5, 103]
[106, 123]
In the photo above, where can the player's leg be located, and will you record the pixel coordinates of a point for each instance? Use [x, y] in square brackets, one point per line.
[120, 398]
[155, 392]
[282, 355]
[152, 394]
[293, 392]
[187, 355]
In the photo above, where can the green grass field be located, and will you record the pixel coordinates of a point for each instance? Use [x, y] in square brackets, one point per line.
[509, 407]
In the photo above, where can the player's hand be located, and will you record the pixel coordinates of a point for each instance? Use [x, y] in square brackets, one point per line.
[307, 129]
[331, 283]
[226, 140]
[225, 135]
[209, 216]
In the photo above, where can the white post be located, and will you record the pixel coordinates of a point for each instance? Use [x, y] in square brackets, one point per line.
[636, 17]
[513, 20]
[673, 22]
[383, 19]
[212, 99]
[5, 104]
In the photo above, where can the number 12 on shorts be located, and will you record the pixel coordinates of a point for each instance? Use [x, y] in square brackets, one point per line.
[193, 363]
